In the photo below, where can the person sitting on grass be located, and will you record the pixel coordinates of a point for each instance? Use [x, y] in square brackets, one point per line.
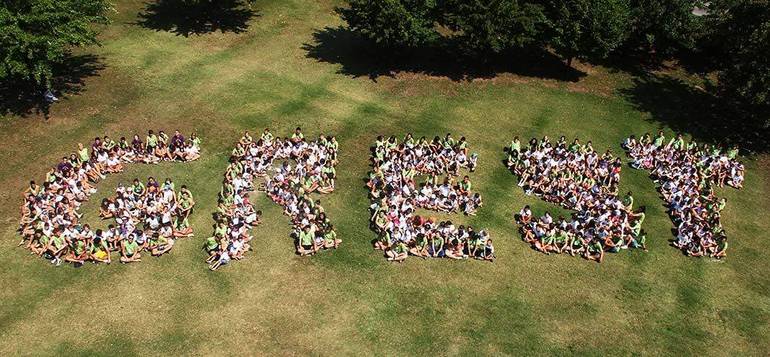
[130, 251]
[221, 258]
[305, 242]
[397, 253]
[99, 249]
[159, 244]
[330, 238]
[78, 252]
[57, 247]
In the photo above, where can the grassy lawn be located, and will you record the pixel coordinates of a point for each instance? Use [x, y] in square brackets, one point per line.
[289, 67]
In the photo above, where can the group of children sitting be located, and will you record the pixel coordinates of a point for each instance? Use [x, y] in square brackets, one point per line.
[577, 178]
[572, 175]
[50, 223]
[395, 197]
[288, 185]
[162, 213]
[685, 173]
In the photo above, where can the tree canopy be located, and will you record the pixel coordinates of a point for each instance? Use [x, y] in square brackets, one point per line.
[742, 33]
[663, 26]
[587, 28]
[35, 35]
[392, 23]
[573, 28]
[494, 25]
[736, 32]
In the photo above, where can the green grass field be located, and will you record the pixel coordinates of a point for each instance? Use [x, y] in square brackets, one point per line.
[282, 71]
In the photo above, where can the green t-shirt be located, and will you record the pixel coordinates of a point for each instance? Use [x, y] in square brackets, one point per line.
[438, 243]
[305, 238]
[211, 243]
[561, 237]
[83, 153]
[515, 146]
[152, 141]
[220, 230]
[329, 170]
[677, 143]
[641, 217]
[628, 201]
[58, 241]
[185, 203]
[422, 243]
[131, 247]
[79, 247]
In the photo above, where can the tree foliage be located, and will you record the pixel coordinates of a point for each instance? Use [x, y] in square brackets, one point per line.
[495, 25]
[587, 28]
[392, 23]
[574, 28]
[742, 32]
[35, 35]
[663, 26]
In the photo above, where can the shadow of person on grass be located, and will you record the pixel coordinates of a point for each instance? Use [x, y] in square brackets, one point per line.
[695, 111]
[186, 17]
[22, 98]
[360, 57]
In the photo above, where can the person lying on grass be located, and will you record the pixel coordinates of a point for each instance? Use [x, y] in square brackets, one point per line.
[395, 195]
[685, 174]
[50, 223]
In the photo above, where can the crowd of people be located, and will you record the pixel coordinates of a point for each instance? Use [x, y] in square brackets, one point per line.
[576, 177]
[288, 185]
[395, 197]
[685, 173]
[573, 175]
[151, 216]
[51, 225]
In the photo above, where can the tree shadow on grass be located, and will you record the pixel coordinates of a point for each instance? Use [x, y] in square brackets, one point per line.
[23, 98]
[187, 18]
[360, 57]
[695, 111]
